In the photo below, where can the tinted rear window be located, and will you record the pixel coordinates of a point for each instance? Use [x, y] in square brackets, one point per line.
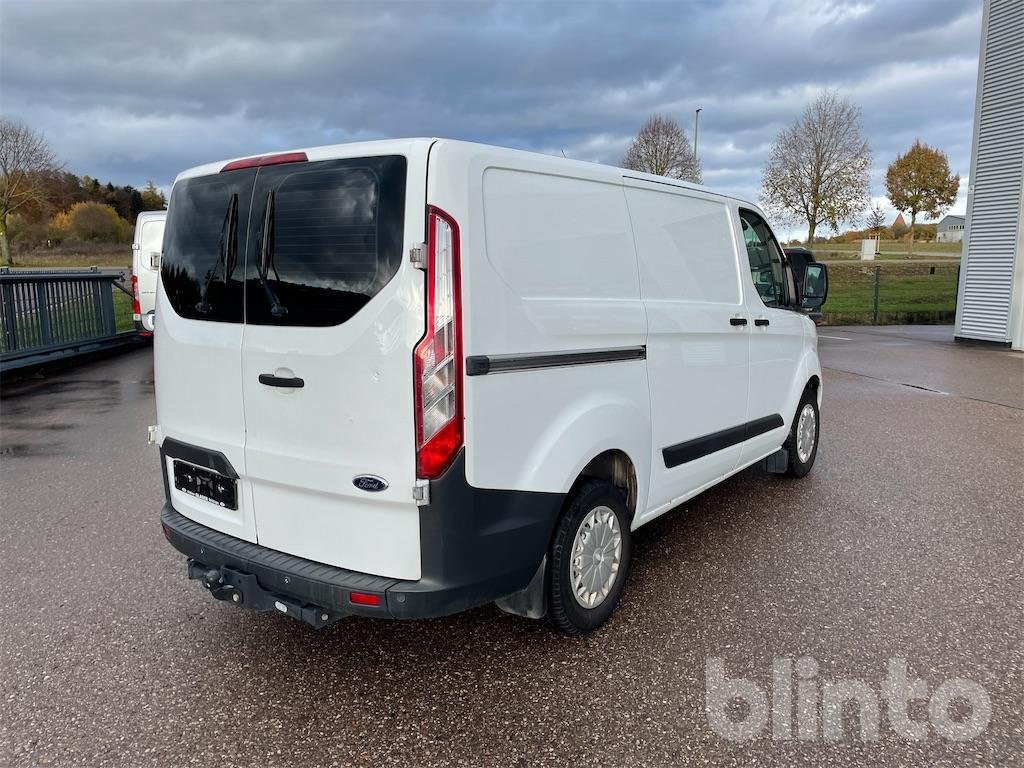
[335, 239]
[336, 234]
[202, 276]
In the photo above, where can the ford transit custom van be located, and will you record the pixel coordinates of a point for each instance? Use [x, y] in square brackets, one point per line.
[407, 378]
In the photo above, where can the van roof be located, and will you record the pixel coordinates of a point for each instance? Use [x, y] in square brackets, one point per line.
[146, 215]
[403, 146]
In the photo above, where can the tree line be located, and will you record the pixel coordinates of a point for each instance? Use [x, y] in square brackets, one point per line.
[818, 170]
[41, 203]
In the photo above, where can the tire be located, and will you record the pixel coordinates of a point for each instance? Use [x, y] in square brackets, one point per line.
[591, 505]
[808, 409]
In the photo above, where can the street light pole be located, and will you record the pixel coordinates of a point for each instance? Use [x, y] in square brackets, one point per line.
[696, 125]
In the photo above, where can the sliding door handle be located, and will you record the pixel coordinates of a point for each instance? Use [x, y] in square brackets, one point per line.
[737, 321]
[762, 321]
[270, 380]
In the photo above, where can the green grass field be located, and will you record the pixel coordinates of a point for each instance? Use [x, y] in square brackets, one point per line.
[77, 255]
[908, 293]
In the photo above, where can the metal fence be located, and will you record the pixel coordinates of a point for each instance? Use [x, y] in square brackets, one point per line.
[49, 314]
[891, 293]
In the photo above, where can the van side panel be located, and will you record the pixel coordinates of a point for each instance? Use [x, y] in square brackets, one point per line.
[548, 267]
[697, 359]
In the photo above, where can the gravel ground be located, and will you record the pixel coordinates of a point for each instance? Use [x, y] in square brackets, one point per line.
[904, 542]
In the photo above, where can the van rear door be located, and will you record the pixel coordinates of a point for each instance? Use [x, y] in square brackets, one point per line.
[149, 236]
[198, 340]
[333, 313]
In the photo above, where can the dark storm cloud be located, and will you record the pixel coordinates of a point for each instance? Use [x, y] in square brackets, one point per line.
[133, 91]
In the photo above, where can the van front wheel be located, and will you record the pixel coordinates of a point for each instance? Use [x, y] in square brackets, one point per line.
[802, 443]
[589, 559]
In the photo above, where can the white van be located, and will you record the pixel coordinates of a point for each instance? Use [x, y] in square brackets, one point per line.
[407, 378]
[149, 235]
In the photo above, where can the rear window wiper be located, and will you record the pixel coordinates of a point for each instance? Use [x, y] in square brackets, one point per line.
[227, 249]
[277, 309]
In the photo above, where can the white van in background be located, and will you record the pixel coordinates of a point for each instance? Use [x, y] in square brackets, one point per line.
[407, 378]
[146, 247]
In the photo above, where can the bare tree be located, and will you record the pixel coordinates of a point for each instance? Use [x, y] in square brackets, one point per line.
[662, 148]
[817, 171]
[25, 161]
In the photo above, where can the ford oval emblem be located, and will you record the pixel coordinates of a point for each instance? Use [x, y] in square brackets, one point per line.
[370, 483]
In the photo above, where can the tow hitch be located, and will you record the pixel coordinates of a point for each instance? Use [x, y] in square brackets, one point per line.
[243, 589]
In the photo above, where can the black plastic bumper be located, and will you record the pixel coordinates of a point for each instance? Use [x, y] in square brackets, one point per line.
[476, 545]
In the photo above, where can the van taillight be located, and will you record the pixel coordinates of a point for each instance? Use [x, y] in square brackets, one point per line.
[136, 307]
[438, 357]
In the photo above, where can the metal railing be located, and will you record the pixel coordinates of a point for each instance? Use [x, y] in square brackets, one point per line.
[48, 313]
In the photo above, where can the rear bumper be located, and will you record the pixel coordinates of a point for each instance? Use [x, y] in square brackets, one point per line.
[477, 545]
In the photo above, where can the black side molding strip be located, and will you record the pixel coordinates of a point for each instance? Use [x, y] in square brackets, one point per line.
[681, 453]
[481, 365]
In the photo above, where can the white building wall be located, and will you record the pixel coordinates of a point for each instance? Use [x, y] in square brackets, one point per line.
[990, 302]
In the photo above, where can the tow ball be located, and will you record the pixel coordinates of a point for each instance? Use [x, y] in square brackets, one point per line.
[213, 580]
[225, 583]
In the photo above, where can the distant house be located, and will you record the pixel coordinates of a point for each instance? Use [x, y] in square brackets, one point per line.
[899, 223]
[950, 229]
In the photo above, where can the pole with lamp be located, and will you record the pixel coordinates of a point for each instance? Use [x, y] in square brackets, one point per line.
[696, 125]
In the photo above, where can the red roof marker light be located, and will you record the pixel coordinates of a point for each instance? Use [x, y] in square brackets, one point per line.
[257, 162]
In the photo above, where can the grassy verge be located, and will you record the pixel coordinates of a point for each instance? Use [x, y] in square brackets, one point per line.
[907, 293]
[77, 255]
[889, 250]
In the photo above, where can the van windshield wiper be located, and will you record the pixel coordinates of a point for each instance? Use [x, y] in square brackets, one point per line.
[227, 249]
[277, 309]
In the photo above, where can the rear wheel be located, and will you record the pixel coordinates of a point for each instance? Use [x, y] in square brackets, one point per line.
[802, 443]
[589, 559]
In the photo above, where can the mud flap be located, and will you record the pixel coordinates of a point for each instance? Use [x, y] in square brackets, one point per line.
[531, 602]
[777, 462]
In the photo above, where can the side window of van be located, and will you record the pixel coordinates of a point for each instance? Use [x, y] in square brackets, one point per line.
[765, 259]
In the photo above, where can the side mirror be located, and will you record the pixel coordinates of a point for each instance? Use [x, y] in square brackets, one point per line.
[815, 287]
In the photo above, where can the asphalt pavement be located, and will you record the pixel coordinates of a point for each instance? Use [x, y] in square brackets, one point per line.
[905, 542]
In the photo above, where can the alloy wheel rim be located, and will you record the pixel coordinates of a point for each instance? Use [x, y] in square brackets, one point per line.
[806, 432]
[596, 556]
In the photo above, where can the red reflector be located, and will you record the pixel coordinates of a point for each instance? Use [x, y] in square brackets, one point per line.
[167, 531]
[256, 162]
[361, 598]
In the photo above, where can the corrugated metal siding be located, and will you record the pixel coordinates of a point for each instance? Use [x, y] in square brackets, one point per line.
[994, 210]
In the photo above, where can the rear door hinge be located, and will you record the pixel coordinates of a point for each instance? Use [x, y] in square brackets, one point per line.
[421, 492]
[418, 255]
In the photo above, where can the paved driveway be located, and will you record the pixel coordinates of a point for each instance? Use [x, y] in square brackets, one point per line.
[905, 542]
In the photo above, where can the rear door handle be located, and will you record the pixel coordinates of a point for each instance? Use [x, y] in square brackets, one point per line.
[762, 321]
[278, 381]
[737, 321]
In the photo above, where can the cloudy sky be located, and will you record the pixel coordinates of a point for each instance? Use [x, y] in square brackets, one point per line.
[130, 91]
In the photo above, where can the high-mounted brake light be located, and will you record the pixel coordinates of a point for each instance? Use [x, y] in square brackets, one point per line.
[136, 307]
[438, 357]
[256, 162]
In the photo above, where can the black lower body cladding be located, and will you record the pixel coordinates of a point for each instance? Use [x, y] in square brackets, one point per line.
[476, 544]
